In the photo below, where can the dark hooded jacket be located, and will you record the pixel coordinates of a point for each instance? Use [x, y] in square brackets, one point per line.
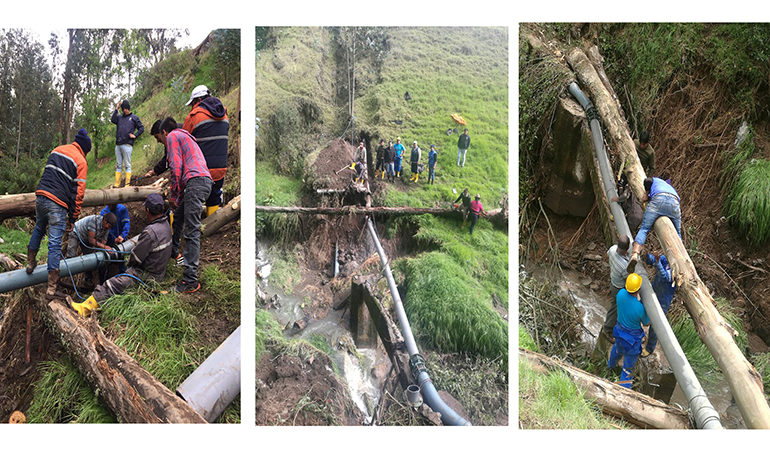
[208, 124]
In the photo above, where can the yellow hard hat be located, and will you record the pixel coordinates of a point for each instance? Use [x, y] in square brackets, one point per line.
[633, 282]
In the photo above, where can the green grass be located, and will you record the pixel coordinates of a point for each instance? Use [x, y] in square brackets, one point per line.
[61, 394]
[748, 202]
[695, 350]
[552, 401]
[16, 237]
[268, 332]
[285, 272]
[526, 341]
[225, 289]
[447, 311]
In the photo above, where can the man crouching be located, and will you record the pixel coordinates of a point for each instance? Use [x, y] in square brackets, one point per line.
[147, 261]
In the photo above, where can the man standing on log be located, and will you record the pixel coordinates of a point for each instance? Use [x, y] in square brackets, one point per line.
[628, 331]
[646, 152]
[126, 123]
[190, 186]
[664, 201]
[147, 261]
[207, 123]
[399, 149]
[59, 197]
[414, 161]
[462, 147]
[390, 158]
[618, 257]
[664, 287]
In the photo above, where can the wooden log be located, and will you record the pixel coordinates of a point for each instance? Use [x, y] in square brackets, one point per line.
[9, 263]
[614, 399]
[745, 382]
[24, 204]
[126, 388]
[223, 216]
[376, 210]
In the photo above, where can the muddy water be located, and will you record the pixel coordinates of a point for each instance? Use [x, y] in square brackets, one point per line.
[357, 365]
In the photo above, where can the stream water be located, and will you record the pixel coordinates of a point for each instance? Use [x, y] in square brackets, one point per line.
[357, 365]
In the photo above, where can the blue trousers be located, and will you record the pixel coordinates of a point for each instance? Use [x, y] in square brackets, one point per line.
[397, 164]
[51, 215]
[628, 344]
[652, 338]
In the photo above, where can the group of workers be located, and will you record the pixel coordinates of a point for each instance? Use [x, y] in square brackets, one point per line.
[623, 325]
[196, 158]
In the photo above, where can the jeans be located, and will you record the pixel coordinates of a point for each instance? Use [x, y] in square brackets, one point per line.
[660, 205]
[461, 153]
[123, 156]
[390, 169]
[188, 219]
[215, 198]
[431, 174]
[54, 216]
[474, 219]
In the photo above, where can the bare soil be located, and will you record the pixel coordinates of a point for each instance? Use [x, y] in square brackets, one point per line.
[334, 158]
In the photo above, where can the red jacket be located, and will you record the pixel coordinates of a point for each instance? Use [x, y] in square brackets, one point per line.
[64, 178]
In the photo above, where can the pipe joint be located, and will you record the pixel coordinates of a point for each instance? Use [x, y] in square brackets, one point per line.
[417, 365]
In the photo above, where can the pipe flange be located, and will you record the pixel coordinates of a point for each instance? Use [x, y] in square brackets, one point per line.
[417, 365]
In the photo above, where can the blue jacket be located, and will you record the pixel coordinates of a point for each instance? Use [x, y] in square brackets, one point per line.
[660, 186]
[432, 156]
[661, 284]
[126, 125]
[122, 226]
[631, 313]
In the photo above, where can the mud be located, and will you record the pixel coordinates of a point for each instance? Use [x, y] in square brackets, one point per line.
[335, 157]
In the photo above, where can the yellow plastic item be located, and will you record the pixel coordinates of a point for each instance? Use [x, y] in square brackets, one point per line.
[128, 178]
[458, 118]
[211, 210]
[416, 177]
[633, 282]
[117, 179]
[171, 219]
[84, 309]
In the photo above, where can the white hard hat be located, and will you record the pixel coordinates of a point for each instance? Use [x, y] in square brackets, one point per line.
[199, 91]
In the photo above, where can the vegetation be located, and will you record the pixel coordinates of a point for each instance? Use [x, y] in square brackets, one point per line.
[761, 362]
[748, 203]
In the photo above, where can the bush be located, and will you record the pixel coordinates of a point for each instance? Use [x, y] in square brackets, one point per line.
[748, 202]
[21, 179]
[444, 305]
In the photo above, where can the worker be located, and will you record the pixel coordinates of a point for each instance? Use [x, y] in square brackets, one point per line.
[58, 199]
[645, 152]
[663, 201]
[664, 287]
[88, 234]
[147, 260]
[190, 186]
[476, 210]
[627, 200]
[462, 147]
[207, 123]
[618, 258]
[128, 128]
[360, 172]
[118, 233]
[414, 159]
[390, 157]
[399, 149]
[465, 197]
[379, 169]
[432, 159]
[162, 165]
[628, 331]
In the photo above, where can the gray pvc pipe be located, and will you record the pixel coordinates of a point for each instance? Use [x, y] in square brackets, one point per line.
[429, 392]
[17, 279]
[706, 417]
[216, 382]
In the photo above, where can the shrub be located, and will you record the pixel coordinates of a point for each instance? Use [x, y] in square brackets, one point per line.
[748, 202]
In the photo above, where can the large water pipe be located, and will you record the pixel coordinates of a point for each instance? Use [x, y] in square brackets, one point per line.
[17, 279]
[216, 382]
[706, 417]
[416, 361]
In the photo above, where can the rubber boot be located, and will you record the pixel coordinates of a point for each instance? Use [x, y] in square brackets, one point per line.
[171, 219]
[128, 178]
[117, 179]
[211, 210]
[31, 260]
[53, 280]
[85, 308]
[416, 177]
[383, 175]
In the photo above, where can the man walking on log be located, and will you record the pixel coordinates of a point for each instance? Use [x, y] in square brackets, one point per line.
[207, 123]
[664, 287]
[127, 124]
[147, 261]
[190, 186]
[664, 201]
[628, 331]
[462, 147]
[618, 258]
[59, 196]
[645, 152]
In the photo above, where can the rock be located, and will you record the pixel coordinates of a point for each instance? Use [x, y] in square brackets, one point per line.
[264, 271]
[594, 286]
[592, 246]
[592, 257]
[585, 281]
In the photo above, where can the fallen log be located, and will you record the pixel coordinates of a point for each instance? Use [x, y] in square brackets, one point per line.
[744, 381]
[221, 217]
[615, 400]
[126, 388]
[375, 210]
[24, 204]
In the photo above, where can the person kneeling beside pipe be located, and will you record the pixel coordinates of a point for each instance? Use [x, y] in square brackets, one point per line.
[147, 261]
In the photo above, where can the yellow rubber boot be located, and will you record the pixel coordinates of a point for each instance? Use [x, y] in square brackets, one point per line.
[416, 177]
[211, 210]
[117, 179]
[85, 308]
[128, 178]
[171, 219]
